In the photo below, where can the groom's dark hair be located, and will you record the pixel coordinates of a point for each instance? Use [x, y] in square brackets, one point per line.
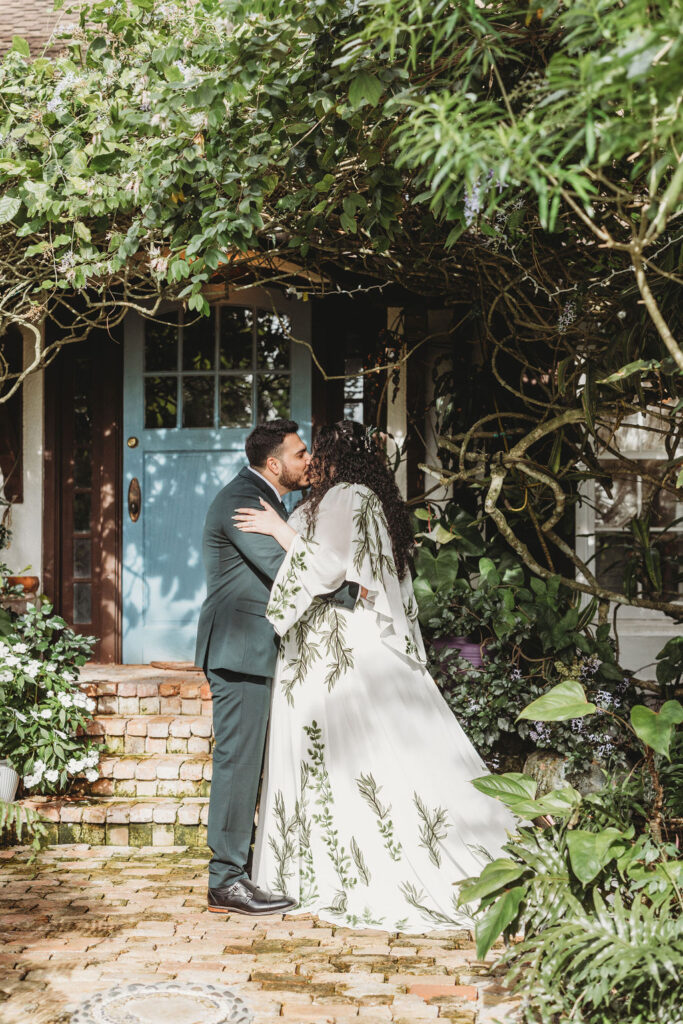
[267, 439]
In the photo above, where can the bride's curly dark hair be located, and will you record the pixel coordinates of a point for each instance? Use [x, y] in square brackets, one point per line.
[345, 453]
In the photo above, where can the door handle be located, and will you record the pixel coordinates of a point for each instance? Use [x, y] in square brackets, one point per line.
[134, 500]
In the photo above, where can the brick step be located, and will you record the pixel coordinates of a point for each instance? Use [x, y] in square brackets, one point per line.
[150, 775]
[101, 821]
[152, 734]
[127, 690]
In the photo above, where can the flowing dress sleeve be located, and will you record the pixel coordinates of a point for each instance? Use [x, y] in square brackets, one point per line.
[349, 542]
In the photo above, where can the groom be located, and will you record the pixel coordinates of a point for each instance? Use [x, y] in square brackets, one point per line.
[237, 649]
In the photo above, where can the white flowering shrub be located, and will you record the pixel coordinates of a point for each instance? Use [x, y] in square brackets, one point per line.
[43, 712]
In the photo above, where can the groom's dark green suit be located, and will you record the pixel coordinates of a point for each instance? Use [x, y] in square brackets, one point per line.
[237, 649]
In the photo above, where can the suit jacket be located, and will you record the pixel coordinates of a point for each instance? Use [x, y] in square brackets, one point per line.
[233, 632]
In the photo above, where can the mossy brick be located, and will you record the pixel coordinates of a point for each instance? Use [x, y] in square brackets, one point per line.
[198, 745]
[176, 745]
[149, 705]
[191, 707]
[107, 705]
[69, 832]
[52, 832]
[114, 726]
[190, 690]
[129, 705]
[134, 745]
[162, 835]
[115, 745]
[202, 836]
[126, 788]
[140, 834]
[204, 788]
[185, 835]
[117, 835]
[170, 705]
[93, 835]
[155, 745]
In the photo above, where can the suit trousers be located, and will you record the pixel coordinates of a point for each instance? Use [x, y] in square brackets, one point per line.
[241, 705]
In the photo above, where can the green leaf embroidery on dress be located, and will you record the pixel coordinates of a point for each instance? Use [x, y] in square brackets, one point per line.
[369, 790]
[359, 861]
[325, 800]
[368, 544]
[433, 829]
[285, 850]
[325, 622]
[415, 897]
[308, 887]
[284, 593]
[338, 905]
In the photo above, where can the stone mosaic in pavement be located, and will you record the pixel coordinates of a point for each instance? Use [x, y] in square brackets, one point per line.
[90, 921]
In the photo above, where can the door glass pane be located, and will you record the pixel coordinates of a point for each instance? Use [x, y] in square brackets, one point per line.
[82, 425]
[236, 402]
[161, 346]
[273, 397]
[82, 602]
[82, 511]
[161, 402]
[198, 401]
[616, 510]
[82, 468]
[613, 552]
[199, 343]
[272, 342]
[82, 557]
[236, 338]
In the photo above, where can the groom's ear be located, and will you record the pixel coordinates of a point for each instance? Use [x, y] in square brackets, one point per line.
[274, 465]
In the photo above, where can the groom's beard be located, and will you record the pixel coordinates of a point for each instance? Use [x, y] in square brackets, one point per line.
[292, 482]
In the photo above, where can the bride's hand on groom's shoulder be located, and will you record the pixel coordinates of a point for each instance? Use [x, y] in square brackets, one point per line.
[253, 520]
[264, 521]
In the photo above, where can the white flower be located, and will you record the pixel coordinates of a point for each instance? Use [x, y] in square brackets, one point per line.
[33, 668]
[92, 758]
[73, 766]
[6, 677]
[50, 667]
[11, 661]
[18, 714]
[65, 699]
[68, 677]
[20, 648]
[92, 775]
[31, 780]
[4, 649]
[46, 713]
[52, 775]
[90, 704]
[39, 767]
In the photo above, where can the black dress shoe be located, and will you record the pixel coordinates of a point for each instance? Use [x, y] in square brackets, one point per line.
[243, 897]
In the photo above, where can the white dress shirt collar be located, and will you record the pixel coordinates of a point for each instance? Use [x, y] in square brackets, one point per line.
[272, 486]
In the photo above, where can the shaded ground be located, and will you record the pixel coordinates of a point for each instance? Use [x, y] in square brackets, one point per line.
[93, 917]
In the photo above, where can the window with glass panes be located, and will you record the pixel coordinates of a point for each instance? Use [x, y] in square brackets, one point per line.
[231, 369]
[633, 495]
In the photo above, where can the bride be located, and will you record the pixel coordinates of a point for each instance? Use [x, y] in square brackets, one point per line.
[367, 813]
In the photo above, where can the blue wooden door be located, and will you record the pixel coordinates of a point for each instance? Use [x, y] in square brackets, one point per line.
[192, 393]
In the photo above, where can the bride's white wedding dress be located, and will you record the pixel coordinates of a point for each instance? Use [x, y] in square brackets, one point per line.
[367, 815]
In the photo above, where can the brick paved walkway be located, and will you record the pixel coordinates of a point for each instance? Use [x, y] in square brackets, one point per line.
[94, 917]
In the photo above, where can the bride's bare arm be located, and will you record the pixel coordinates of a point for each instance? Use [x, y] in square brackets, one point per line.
[266, 521]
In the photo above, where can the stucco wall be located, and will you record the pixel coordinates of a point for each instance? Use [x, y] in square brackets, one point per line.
[26, 546]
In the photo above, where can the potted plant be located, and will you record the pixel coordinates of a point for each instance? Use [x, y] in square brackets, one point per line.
[43, 712]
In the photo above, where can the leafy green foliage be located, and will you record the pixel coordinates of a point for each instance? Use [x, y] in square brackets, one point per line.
[43, 713]
[19, 821]
[595, 895]
[534, 637]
